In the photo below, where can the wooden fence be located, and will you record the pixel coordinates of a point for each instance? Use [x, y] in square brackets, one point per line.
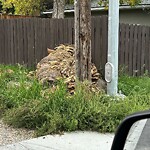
[25, 41]
[134, 48]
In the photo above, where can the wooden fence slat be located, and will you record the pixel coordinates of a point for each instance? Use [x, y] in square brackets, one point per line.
[1, 41]
[20, 41]
[142, 50]
[65, 25]
[104, 42]
[39, 40]
[30, 28]
[139, 51]
[15, 42]
[93, 40]
[4, 48]
[135, 43]
[43, 40]
[73, 31]
[49, 41]
[97, 42]
[149, 50]
[130, 65]
[7, 38]
[122, 45]
[47, 36]
[56, 35]
[60, 32]
[52, 26]
[147, 41]
[127, 27]
[25, 41]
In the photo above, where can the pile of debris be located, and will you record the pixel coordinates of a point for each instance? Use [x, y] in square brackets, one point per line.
[60, 63]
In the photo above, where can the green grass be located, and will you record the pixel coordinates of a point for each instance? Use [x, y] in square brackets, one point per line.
[24, 102]
[134, 85]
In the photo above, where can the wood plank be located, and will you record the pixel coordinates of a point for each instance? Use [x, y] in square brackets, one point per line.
[30, 30]
[11, 41]
[65, 24]
[43, 48]
[93, 39]
[28, 41]
[56, 29]
[32, 41]
[127, 27]
[139, 51]
[147, 52]
[70, 31]
[135, 44]
[15, 42]
[52, 32]
[50, 43]
[20, 41]
[47, 36]
[60, 31]
[143, 50]
[73, 31]
[35, 36]
[38, 39]
[98, 43]
[5, 43]
[105, 42]
[25, 41]
[1, 41]
[130, 64]
[119, 46]
[122, 46]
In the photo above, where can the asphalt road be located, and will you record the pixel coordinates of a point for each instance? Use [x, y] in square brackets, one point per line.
[144, 140]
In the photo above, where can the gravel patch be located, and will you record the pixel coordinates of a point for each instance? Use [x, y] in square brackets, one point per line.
[9, 135]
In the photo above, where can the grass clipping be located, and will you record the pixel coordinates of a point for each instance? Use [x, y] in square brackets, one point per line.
[60, 64]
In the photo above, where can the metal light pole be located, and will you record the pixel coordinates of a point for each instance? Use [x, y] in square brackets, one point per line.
[111, 67]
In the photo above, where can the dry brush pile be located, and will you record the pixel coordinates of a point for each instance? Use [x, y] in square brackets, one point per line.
[60, 64]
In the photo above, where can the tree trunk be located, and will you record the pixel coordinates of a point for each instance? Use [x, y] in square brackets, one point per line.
[58, 9]
[83, 39]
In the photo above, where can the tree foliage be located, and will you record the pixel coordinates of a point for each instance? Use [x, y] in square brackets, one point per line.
[23, 7]
[0, 6]
[129, 2]
[33, 7]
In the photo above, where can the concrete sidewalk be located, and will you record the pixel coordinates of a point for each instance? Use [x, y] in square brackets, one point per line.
[78, 141]
[68, 141]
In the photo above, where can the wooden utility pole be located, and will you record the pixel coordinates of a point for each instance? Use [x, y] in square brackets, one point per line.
[83, 39]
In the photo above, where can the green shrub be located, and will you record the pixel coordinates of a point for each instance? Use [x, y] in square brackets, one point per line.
[24, 102]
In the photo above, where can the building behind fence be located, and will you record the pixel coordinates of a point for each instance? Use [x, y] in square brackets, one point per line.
[25, 41]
